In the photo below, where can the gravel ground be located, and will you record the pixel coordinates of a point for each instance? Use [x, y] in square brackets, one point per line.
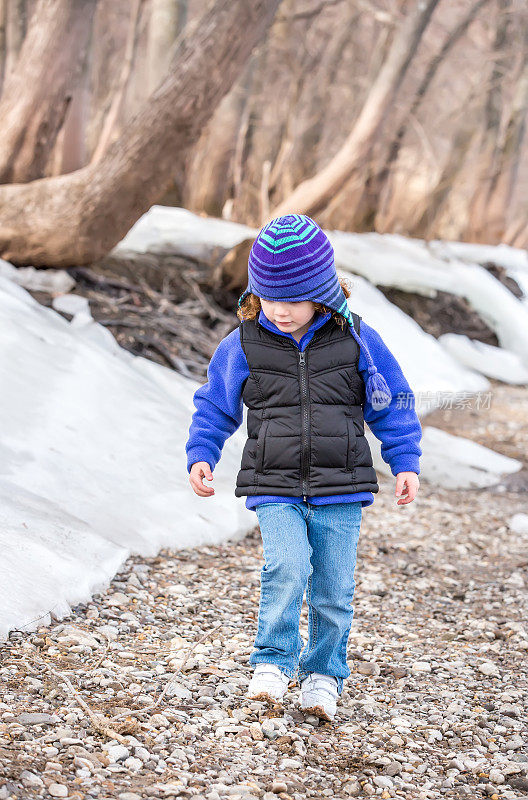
[141, 692]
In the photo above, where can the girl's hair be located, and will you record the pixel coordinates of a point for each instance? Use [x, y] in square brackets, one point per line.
[250, 306]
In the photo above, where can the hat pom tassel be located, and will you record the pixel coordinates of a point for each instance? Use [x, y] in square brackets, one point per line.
[377, 391]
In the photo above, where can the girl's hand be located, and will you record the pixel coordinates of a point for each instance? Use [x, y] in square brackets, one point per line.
[199, 471]
[411, 482]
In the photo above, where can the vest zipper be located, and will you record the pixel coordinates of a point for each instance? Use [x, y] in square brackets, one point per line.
[305, 459]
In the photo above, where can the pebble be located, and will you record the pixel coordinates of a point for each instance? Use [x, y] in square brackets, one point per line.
[352, 788]
[58, 790]
[117, 752]
[421, 666]
[70, 635]
[29, 779]
[496, 777]
[268, 729]
[135, 764]
[368, 668]
[177, 690]
[385, 783]
[256, 731]
[118, 599]
[28, 718]
[290, 763]
[418, 719]
[515, 743]
[488, 668]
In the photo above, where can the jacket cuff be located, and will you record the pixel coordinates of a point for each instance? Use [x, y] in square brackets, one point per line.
[405, 463]
[199, 454]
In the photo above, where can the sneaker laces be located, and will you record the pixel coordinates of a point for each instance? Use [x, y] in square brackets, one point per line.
[321, 683]
[270, 669]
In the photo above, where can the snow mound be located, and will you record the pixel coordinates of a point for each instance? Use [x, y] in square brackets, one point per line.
[519, 524]
[381, 259]
[44, 280]
[164, 229]
[429, 368]
[512, 259]
[93, 462]
[458, 463]
[408, 264]
[495, 362]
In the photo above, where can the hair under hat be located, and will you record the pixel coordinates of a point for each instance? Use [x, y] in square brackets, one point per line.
[292, 260]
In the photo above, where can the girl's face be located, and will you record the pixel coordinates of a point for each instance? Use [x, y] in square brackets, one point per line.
[288, 317]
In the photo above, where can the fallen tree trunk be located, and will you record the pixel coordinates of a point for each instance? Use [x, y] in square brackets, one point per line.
[79, 217]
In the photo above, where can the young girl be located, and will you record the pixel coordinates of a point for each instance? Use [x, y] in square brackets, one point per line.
[303, 364]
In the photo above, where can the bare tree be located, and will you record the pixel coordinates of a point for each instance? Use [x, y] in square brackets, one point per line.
[117, 100]
[167, 21]
[500, 143]
[380, 184]
[13, 26]
[38, 91]
[314, 194]
[78, 217]
[429, 208]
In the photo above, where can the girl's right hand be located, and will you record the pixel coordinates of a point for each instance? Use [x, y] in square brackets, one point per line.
[198, 472]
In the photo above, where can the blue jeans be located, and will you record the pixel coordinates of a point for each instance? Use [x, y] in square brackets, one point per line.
[310, 547]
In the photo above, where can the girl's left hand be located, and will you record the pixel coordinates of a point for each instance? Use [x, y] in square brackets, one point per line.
[410, 481]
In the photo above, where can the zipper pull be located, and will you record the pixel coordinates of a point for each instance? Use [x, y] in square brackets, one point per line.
[301, 356]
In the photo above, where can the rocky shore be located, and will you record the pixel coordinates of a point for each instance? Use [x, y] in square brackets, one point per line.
[140, 693]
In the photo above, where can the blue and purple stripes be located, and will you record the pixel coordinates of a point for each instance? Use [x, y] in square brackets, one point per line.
[292, 260]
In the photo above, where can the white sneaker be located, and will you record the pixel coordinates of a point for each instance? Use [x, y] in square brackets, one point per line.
[319, 695]
[269, 682]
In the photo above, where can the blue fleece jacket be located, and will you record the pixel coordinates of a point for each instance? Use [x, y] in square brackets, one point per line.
[219, 409]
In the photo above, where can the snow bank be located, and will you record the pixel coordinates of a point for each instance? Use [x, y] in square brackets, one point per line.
[93, 459]
[44, 280]
[430, 369]
[512, 259]
[383, 260]
[495, 362]
[436, 369]
[454, 462]
[164, 229]
[408, 264]
[93, 462]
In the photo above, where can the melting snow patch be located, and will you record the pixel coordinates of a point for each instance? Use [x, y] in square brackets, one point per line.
[519, 523]
[458, 463]
[93, 463]
[495, 362]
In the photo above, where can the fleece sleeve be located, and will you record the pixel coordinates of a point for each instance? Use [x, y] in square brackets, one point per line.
[218, 403]
[397, 426]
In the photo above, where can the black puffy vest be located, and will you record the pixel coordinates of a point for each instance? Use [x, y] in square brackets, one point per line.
[305, 424]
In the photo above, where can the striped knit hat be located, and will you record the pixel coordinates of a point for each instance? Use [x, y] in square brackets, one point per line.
[292, 260]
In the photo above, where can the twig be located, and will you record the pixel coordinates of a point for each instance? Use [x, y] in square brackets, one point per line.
[97, 722]
[311, 12]
[174, 361]
[171, 682]
[102, 658]
[35, 619]
[213, 312]
[95, 278]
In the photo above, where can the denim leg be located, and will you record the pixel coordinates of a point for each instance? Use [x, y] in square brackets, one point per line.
[333, 534]
[282, 583]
